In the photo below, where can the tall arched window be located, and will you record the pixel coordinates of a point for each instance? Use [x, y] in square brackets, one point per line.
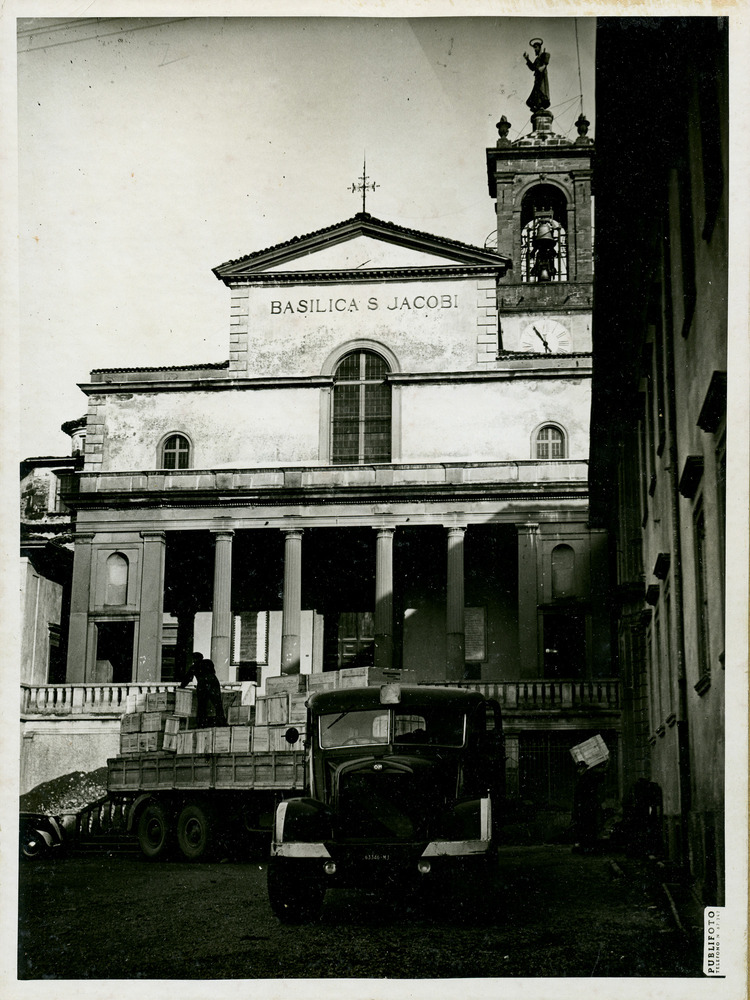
[176, 452]
[563, 571]
[117, 579]
[544, 211]
[550, 442]
[361, 421]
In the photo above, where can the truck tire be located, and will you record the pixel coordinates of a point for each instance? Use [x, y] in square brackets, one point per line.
[294, 899]
[154, 832]
[195, 831]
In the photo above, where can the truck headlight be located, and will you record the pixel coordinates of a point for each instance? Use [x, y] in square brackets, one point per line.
[424, 867]
[329, 868]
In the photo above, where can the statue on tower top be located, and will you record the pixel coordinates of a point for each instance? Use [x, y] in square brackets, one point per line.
[539, 97]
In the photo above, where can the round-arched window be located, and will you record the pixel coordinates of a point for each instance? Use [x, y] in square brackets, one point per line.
[550, 443]
[361, 416]
[176, 452]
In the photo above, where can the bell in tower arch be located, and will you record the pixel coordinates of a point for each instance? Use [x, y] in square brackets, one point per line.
[544, 251]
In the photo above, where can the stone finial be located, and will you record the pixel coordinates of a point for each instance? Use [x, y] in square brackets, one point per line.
[503, 127]
[582, 124]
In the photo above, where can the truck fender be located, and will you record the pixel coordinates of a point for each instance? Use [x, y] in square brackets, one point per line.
[135, 810]
[302, 819]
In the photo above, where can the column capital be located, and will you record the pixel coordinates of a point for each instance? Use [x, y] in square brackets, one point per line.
[293, 532]
[222, 532]
[456, 529]
[528, 528]
[150, 536]
[383, 532]
[84, 536]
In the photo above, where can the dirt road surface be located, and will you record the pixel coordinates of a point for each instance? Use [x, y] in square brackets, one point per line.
[549, 913]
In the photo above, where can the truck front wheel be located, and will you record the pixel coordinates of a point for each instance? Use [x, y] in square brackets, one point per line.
[154, 831]
[294, 898]
[195, 832]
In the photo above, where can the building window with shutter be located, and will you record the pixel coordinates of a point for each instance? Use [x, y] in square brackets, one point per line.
[361, 417]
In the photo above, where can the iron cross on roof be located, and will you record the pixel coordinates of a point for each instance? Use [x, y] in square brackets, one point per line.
[361, 184]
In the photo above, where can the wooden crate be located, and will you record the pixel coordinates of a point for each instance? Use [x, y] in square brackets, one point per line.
[261, 742]
[286, 684]
[204, 741]
[149, 742]
[241, 739]
[298, 709]
[590, 752]
[153, 722]
[272, 710]
[174, 724]
[170, 742]
[222, 739]
[128, 743]
[230, 698]
[130, 722]
[322, 682]
[240, 715]
[160, 701]
[186, 702]
[352, 677]
[277, 742]
[185, 742]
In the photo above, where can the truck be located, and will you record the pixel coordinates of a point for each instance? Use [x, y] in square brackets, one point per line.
[193, 804]
[404, 784]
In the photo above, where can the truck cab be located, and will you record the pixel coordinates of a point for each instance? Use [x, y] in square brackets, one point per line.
[406, 783]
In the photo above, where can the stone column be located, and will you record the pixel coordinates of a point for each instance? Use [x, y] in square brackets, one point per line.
[292, 608]
[384, 599]
[184, 647]
[528, 601]
[454, 611]
[148, 660]
[221, 608]
[79, 610]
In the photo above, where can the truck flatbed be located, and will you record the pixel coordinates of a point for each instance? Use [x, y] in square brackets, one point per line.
[272, 771]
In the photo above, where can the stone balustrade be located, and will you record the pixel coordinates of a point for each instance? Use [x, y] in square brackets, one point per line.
[559, 696]
[86, 699]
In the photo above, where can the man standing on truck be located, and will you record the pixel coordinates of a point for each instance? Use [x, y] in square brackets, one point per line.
[208, 691]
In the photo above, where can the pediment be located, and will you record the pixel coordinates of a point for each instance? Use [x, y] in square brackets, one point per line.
[361, 245]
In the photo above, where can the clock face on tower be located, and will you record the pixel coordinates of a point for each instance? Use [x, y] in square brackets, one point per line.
[545, 336]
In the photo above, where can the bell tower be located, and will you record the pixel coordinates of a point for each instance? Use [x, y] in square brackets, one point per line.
[541, 184]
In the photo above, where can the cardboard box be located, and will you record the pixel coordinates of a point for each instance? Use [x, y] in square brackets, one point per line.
[273, 709]
[240, 715]
[130, 722]
[222, 739]
[590, 752]
[160, 701]
[241, 739]
[186, 702]
[185, 742]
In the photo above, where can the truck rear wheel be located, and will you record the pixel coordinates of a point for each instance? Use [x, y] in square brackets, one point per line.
[195, 831]
[294, 899]
[154, 831]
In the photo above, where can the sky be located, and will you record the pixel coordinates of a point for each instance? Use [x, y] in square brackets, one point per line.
[151, 150]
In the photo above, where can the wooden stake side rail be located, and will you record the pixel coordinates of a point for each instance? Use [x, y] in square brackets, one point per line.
[283, 771]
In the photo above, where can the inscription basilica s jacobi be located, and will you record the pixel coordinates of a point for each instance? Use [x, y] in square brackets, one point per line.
[416, 302]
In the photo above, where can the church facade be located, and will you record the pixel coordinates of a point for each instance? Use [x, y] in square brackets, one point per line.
[390, 471]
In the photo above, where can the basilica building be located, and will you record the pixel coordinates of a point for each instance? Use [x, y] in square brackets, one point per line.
[389, 471]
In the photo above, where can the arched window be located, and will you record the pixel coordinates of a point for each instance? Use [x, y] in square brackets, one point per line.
[544, 213]
[176, 452]
[361, 419]
[550, 443]
[117, 579]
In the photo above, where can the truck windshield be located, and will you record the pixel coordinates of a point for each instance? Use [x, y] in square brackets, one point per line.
[426, 727]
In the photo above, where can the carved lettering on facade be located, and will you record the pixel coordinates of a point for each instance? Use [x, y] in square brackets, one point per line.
[418, 303]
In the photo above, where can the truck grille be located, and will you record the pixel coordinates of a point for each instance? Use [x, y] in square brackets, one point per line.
[386, 805]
